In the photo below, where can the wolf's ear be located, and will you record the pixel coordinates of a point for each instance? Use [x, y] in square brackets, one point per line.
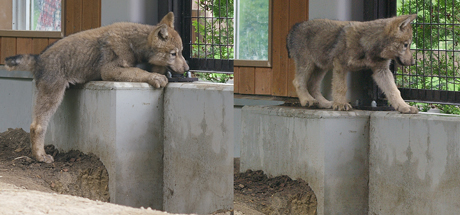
[160, 33]
[168, 20]
[405, 21]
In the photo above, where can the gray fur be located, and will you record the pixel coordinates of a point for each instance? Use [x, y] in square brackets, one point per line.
[107, 53]
[318, 46]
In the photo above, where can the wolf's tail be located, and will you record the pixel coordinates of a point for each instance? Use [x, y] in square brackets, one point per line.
[25, 62]
[289, 42]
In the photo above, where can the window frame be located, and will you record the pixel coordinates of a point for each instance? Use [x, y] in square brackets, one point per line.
[260, 63]
[183, 12]
[38, 34]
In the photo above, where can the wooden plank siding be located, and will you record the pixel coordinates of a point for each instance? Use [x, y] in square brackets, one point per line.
[79, 15]
[24, 46]
[277, 80]
[246, 80]
[8, 47]
[236, 78]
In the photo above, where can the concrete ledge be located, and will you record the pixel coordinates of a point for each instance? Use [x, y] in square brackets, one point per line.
[16, 89]
[122, 123]
[359, 162]
[198, 148]
[15, 74]
[328, 149]
[414, 164]
[145, 137]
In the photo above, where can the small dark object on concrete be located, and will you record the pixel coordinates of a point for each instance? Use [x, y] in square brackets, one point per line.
[186, 77]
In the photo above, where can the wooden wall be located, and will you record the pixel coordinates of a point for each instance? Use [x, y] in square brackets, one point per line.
[277, 80]
[79, 15]
[6, 14]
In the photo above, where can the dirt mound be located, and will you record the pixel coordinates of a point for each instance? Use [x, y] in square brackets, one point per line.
[278, 195]
[72, 173]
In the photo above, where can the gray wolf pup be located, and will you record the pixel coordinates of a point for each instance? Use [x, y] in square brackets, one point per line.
[109, 53]
[318, 46]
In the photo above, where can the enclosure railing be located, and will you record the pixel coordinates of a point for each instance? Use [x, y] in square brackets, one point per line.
[435, 78]
[208, 35]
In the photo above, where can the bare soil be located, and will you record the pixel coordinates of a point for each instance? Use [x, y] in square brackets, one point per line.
[273, 195]
[79, 174]
[72, 173]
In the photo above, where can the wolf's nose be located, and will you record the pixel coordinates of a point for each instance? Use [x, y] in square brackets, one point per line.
[186, 68]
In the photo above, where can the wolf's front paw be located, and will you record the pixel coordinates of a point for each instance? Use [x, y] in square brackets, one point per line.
[158, 80]
[341, 106]
[408, 110]
[308, 103]
[44, 158]
[325, 105]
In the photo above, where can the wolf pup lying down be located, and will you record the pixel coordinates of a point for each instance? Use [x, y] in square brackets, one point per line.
[109, 53]
[318, 46]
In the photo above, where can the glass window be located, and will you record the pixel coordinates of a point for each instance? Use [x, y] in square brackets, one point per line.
[252, 25]
[23, 15]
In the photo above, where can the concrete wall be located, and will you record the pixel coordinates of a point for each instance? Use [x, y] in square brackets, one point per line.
[359, 162]
[15, 99]
[167, 149]
[239, 103]
[122, 124]
[414, 164]
[198, 148]
[327, 149]
[336, 9]
[140, 11]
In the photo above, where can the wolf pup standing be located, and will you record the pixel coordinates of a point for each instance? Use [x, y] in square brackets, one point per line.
[109, 53]
[318, 46]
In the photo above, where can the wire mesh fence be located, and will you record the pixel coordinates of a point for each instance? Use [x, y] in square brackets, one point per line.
[209, 45]
[435, 77]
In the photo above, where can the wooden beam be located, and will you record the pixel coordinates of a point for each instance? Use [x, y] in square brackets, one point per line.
[280, 57]
[263, 81]
[39, 44]
[246, 83]
[236, 80]
[24, 46]
[298, 12]
[8, 48]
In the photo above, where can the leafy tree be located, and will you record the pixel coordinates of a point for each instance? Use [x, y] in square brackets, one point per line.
[436, 42]
[438, 12]
[214, 34]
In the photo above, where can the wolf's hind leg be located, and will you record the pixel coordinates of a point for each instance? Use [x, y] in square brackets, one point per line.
[112, 72]
[314, 87]
[339, 88]
[384, 79]
[303, 74]
[47, 101]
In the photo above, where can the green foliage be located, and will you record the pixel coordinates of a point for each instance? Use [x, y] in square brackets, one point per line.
[219, 8]
[434, 11]
[435, 71]
[446, 109]
[449, 109]
[214, 31]
[214, 77]
[436, 67]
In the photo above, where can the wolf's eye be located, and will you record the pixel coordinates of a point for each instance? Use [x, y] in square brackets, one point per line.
[173, 54]
[405, 45]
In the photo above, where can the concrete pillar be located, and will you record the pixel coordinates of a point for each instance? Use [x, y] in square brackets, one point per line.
[328, 149]
[169, 149]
